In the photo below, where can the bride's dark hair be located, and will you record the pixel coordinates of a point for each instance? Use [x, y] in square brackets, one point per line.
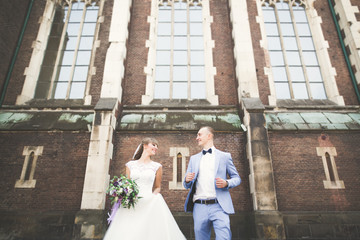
[140, 148]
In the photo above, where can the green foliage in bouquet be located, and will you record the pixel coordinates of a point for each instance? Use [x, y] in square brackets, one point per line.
[124, 191]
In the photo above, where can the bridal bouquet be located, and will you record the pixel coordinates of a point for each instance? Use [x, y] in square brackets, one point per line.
[122, 192]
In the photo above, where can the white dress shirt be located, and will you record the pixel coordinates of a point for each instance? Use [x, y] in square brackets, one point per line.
[205, 184]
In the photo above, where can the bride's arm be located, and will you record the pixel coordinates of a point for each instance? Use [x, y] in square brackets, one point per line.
[157, 183]
[127, 172]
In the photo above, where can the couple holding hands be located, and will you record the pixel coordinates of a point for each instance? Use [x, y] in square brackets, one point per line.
[208, 199]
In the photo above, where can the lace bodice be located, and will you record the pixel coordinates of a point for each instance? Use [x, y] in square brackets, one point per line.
[144, 175]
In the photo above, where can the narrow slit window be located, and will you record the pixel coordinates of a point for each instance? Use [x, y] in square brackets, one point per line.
[179, 167]
[329, 165]
[29, 166]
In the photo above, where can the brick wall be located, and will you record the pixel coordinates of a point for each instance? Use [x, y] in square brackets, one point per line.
[299, 172]
[10, 28]
[59, 173]
[126, 143]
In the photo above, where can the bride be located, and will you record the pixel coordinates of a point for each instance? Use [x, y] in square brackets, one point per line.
[151, 218]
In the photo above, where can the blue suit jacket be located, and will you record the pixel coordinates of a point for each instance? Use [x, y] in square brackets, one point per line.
[223, 166]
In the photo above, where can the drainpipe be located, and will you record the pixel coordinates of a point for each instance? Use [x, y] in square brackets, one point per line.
[9, 72]
[353, 79]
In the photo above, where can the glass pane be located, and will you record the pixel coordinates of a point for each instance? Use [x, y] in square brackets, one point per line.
[197, 74]
[73, 29]
[310, 58]
[91, 16]
[274, 43]
[293, 58]
[287, 29]
[68, 58]
[271, 29]
[282, 91]
[78, 5]
[64, 74]
[282, 5]
[161, 90]
[180, 90]
[196, 29]
[163, 57]
[300, 91]
[276, 58]
[180, 57]
[198, 90]
[180, 43]
[318, 91]
[180, 29]
[89, 29]
[164, 29]
[163, 43]
[296, 74]
[180, 5]
[80, 73]
[307, 43]
[71, 43]
[61, 88]
[77, 90]
[314, 74]
[300, 16]
[162, 73]
[180, 16]
[75, 16]
[196, 43]
[83, 58]
[269, 16]
[303, 29]
[284, 16]
[86, 43]
[180, 74]
[290, 43]
[164, 15]
[195, 15]
[197, 57]
[279, 74]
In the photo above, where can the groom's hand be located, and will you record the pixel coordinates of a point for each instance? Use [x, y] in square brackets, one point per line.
[189, 177]
[221, 183]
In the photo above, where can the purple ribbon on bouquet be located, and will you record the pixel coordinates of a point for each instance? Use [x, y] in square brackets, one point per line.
[113, 211]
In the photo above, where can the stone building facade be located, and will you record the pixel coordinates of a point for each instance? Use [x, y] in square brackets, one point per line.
[83, 81]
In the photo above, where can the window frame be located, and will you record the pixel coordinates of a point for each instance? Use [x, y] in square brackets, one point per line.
[32, 72]
[321, 45]
[150, 69]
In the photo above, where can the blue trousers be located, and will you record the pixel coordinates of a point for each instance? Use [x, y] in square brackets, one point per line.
[211, 215]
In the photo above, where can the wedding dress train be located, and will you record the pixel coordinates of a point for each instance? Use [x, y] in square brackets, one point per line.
[151, 218]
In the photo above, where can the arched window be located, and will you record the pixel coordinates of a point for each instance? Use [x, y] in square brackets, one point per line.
[180, 63]
[330, 167]
[293, 59]
[31, 154]
[178, 155]
[65, 67]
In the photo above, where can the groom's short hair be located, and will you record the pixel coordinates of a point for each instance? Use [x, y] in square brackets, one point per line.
[210, 129]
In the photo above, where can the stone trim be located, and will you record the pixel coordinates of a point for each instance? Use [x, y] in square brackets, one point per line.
[351, 27]
[27, 152]
[174, 184]
[328, 183]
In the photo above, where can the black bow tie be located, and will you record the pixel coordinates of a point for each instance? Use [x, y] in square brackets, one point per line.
[208, 151]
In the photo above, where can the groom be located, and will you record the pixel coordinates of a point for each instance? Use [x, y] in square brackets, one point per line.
[209, 198]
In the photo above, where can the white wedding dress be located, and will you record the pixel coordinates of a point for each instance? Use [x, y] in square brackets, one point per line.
[151, 218]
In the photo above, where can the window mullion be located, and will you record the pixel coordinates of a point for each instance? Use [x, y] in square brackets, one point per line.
[302, 60]
[58, 55]
[172, 51]
[188, 52]
[284, 52]
[76, 52]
